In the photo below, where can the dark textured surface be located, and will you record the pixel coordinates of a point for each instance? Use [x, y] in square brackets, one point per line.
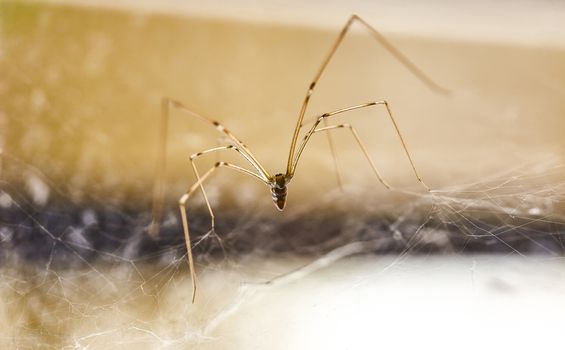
[66, 234]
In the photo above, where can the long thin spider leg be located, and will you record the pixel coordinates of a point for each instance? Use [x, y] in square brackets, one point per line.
[343, 110]
[167, 103]
[361, 145]
[404, 145]
[184, 216]
[222, 141]
[315, 125]
[194, 168]
[159, 185]
[334, 157]
[215, 150]
[381, 40]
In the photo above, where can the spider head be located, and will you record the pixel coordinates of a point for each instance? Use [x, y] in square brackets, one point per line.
[278, 190]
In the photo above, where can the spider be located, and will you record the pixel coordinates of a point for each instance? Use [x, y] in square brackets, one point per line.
[277, 183]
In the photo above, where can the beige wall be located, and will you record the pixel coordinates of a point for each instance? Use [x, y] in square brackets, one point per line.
[81, 89]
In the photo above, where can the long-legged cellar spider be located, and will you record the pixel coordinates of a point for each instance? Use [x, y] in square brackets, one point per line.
[279, 182]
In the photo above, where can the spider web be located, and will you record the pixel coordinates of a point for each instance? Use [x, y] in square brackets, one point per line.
[79, 270]
[83, 275]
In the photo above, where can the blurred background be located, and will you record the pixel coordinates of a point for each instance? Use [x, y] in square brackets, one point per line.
[80, 91]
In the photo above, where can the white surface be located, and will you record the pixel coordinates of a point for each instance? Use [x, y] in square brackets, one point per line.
[416, 302]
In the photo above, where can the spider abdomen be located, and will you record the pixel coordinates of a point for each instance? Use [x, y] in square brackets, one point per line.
[278, 190]
[279, 196]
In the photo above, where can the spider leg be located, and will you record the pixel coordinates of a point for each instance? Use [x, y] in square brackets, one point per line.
[183, 211]
[334, 157]
[215, 150]
[222, 141]
[361, 145]
[318, 120]
[325, 116]
[159, 185]
[383, 42]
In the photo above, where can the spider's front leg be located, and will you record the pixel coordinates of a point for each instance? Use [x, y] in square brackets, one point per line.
[159, 185]
[200, 184]
[184, 216]
[215, 150]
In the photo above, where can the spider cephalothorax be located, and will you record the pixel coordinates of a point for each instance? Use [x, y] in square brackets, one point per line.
[278, 190]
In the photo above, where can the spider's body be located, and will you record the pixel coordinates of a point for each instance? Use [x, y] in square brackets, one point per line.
[278, 183]
[278, 190]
